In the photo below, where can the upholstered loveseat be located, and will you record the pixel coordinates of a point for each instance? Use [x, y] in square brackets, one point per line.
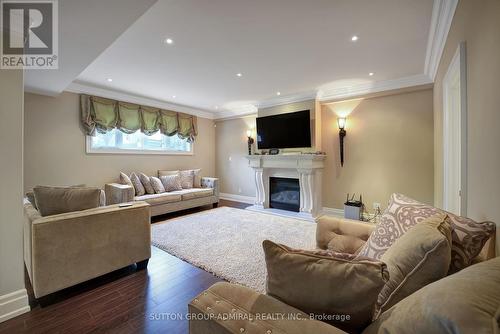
[469, 299]
[204, 192]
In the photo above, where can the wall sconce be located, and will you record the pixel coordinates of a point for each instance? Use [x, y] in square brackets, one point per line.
[342, 133]
[250, 141]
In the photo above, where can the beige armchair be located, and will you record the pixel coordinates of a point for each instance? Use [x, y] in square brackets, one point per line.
[66, 249]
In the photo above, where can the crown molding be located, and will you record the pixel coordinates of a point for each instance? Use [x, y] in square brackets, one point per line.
[442, 16]
[373, 87]
[237, 112]
[81, 88]
[277, 101]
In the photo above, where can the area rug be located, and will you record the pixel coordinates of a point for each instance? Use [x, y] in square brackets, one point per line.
[228, 242]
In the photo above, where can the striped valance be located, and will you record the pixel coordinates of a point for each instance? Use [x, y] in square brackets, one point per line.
[102, 115]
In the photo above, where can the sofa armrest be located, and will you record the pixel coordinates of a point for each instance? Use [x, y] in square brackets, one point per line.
[118, 193]
[328, 227]
[211, 182]
[231, 308]
[74, 247]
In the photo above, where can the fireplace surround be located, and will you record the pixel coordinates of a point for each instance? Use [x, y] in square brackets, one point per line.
[306, 168]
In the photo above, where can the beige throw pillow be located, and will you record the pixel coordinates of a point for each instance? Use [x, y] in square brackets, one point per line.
[421, 256]
[146, 182]
[402, 213]
[466, 302]
[171, 182]
[325, 283]
[187, 179]
[167, 172]
[157, 185]
[55, 200]
[139, 188]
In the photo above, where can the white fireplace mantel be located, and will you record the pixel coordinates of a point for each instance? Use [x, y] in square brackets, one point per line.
[307, 168]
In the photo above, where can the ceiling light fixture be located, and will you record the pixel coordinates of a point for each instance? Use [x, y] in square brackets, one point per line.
[173, 96]
[239, 75]
[169, 41]
[216, 107]
[278, 93]
[371, 74]
[109, 79]
[354, 38]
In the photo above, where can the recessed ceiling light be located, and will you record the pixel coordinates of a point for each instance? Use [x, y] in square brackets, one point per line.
[371, 74]
[239, 74]
[109, 79]
[173, 96]
[278, 93]
[354, 38]
[169, 41]
[216, 107]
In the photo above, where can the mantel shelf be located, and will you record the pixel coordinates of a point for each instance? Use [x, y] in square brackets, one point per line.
[291, 161]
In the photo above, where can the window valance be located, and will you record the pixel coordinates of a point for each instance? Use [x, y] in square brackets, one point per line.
[103, 115]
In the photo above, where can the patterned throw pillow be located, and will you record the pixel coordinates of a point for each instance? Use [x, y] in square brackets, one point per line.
[187, 178]
[139, 188]
[124, 179]
[468, 236]
[146, 183]
[157, 185]
[171, 182]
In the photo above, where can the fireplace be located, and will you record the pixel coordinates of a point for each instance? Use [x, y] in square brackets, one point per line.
[284, 193]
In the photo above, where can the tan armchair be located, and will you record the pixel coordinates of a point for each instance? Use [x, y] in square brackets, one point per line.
[66, 249]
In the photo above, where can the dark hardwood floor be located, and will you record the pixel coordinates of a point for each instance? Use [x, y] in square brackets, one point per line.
[124, 301]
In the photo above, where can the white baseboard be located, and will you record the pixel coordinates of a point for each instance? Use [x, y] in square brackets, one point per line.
[237, 198]
[333, 212]
[13, 304]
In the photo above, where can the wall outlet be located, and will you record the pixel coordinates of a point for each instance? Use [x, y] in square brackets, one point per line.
[376, 205]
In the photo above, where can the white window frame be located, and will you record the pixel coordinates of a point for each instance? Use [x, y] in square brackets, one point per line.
[90, 150]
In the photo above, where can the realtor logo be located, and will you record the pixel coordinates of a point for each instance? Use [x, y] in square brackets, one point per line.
[29, 34]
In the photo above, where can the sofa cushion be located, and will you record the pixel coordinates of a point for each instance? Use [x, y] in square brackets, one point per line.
[157, 185]
[187, 179]
[146, 182]
[171, 182]
[421, 256]
[468, 236]
[345, 243]
[195, 193]
[55, 200]
[157, 199]
[325, 282]
[139, 188]
[466, 302]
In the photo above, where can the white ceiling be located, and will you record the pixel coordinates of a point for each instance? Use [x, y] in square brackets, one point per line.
[297, 47]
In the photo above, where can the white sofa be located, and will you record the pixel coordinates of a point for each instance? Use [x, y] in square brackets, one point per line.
[169, 201]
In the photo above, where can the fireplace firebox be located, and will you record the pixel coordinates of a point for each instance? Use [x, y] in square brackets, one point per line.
[284, 193]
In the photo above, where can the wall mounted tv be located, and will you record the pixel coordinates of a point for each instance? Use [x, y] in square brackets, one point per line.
[291, 130]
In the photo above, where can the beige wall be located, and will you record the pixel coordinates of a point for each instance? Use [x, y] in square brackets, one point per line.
[55, 148]
[388, 148]
[11, 194]
[478, 24]
[231, 148]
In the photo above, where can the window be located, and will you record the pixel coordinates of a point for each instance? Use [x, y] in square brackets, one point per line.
[116, 141]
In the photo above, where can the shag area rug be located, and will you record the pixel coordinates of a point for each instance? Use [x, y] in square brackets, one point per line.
[228, 242]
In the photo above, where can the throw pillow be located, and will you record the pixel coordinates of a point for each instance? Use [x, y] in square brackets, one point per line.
[197, 178]
[167, 172]
[187, 179]
[468, 236]
[171, 182]
[139, 188]
[55, 200]
[345, 243]
[146, 182]
[124, 179]
[157, 185]
[421, 256]
[31, 198]
[325, 283]
[466, 302]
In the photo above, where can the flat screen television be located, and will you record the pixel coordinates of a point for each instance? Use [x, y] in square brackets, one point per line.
[291, 130]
